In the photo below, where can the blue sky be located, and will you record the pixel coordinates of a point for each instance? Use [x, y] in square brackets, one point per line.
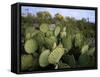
[76, 13]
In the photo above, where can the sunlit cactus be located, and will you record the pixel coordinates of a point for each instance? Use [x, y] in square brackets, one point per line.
[43, 59]
[30, 46]
[56, 55]
[57, 31]
[44, 27]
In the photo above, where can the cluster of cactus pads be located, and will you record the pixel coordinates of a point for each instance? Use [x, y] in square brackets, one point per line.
[45, 48]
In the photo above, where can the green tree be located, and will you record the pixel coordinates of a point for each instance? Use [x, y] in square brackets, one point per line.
[44, 17]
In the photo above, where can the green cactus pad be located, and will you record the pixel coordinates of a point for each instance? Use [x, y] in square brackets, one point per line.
[91, 51]
[70, 60]
[26, 62]
[49, 33]
[84, 60]
[62, 34]
[50, 41]
[30, 46]
[43, 59]
[56, 55]
[53, 38]
[29, 30]
[78, 39]
[30, 34]
[44, 28]
[84, 49]
[40, 38]
[57, 31]
[67, 42]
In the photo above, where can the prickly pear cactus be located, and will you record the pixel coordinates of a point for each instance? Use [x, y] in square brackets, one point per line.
[43, 59]
[48, 42]
[57, 31]
[78, 39]
[70, 60]
[28, 32]
[40, 38]
[62, 34]
[49, 33]
[63, 65]
[30, 35]
[67, 42]
[30, 46]
[84, 60]
[56, 55]
[34, 33]
[84, 49]
[44, 27]
[26, 62]
[91, 51]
